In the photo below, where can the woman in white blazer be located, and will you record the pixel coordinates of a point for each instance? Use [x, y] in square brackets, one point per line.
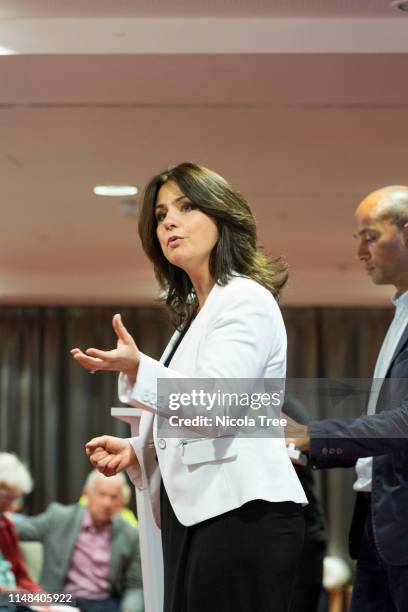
[229, 506]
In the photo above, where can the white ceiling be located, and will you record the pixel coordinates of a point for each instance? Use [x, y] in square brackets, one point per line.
[304, 136]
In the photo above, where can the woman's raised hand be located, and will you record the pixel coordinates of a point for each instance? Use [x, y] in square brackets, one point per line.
[110, 455]
[124, 358]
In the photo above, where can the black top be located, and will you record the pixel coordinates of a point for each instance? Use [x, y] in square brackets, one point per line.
[176, 345]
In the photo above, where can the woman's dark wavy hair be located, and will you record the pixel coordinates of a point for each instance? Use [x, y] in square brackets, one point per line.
[236, 249]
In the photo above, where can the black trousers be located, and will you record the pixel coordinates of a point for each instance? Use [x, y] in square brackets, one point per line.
[242, 561]
[308, 586]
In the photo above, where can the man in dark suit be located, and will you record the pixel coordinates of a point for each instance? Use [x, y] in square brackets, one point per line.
[90, 552]
[378, 442]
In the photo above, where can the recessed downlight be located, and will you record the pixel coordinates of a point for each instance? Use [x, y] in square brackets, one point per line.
[402, 5]
[115, 191]
[7, 51]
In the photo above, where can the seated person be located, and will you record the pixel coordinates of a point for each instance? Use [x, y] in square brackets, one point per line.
[126, 513]
[90, 551]
[15, 480]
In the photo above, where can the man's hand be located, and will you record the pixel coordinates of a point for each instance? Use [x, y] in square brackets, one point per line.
[124, 358]
[110, 455]
[297, 434]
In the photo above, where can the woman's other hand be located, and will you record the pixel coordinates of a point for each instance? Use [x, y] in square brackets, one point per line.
[110, 455]
[124, 358]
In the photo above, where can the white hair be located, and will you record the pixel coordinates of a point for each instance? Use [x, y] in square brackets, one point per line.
[119, 479]
[14, 473]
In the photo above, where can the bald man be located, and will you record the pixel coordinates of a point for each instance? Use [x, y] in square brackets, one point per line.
[377, 443]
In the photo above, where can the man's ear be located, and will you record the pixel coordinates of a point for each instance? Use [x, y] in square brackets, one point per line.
[85, 492]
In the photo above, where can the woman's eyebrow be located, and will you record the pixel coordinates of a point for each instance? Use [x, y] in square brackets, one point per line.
[163, 204]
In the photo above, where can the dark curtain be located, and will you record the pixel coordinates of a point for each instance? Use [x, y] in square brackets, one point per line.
[50, 406]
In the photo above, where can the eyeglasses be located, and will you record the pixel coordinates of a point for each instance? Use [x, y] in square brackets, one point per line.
[4, 496]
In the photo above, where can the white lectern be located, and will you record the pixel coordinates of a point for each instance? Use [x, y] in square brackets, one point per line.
[149, 534]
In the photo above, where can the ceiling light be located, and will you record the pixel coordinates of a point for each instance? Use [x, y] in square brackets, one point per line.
[402, 5]
[7, 51]
[115, 190]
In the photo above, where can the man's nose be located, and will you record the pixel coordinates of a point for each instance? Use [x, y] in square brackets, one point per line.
[362, 252]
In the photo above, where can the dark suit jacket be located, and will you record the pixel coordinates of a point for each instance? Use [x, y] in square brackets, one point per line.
[384, 436]
[58, 528]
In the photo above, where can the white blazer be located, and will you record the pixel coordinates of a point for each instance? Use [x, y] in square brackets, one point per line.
[239, 333]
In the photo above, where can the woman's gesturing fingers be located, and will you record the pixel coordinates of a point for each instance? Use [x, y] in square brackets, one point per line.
[124, 358]
[98, 442]
[110, 455]
[120, 330]
[88, 362]
[105, 360]
[93, 359]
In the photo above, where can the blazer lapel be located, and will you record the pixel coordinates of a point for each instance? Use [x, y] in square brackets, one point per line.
[196, 325]
[70, 535]
[170, 345]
